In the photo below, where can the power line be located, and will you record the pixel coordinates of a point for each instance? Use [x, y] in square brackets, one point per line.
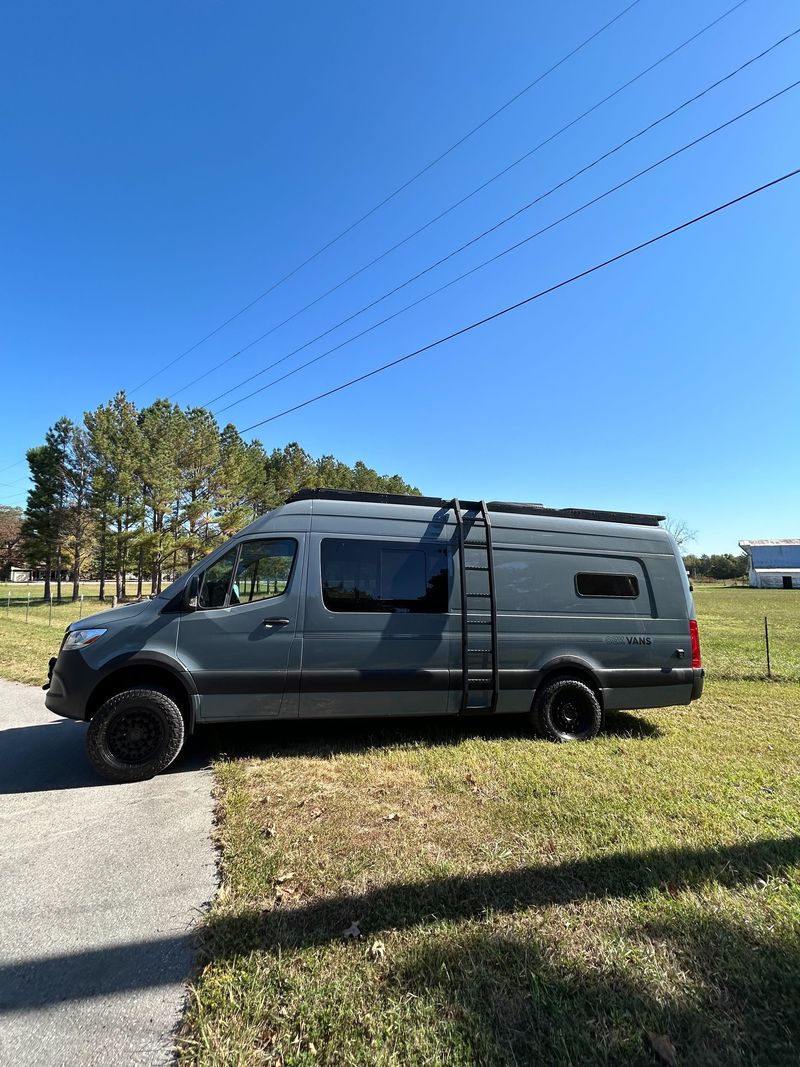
[18, 463]
[528, 299]
[513, 247]
[396, 192]
[509, 218]
[478, 189]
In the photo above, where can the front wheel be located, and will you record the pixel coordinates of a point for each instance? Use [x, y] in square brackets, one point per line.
[135, 735]
[566, 710]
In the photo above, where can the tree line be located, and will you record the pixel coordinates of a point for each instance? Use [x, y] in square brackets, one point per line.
[725, 565]
[131, 495]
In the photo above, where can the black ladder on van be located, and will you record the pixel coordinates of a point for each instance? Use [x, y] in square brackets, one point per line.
[480, 674]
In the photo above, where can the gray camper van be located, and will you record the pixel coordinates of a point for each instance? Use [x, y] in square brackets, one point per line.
[359, 604]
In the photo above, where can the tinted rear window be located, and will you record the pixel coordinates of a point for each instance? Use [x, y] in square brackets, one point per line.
[384, 576]
[607, 585]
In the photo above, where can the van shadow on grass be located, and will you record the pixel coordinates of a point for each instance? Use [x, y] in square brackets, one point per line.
[326, 737]
[524, 994]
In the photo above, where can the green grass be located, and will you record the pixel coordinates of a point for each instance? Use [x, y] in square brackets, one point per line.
[517, 902]
[732, 631]
[30, 633]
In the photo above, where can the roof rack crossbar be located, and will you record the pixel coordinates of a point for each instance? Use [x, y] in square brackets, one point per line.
[508, 507]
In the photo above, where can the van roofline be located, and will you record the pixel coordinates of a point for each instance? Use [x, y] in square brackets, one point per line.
[353, 496]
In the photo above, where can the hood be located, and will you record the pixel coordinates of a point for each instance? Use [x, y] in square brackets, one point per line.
[112, 617]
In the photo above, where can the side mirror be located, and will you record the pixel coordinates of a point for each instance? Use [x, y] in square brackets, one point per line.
[191, 594]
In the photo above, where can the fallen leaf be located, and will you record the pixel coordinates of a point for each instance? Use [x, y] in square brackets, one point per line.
[391, 818]
[664, 1047]
[377, 951]
[284, 877]
[352, 932]
[316, 812]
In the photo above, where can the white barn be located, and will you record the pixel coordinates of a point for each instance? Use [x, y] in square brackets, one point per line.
[773, 564]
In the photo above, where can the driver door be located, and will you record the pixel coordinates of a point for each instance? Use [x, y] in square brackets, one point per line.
[237, 644]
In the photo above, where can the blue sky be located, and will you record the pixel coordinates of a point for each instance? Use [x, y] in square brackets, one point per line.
[165, 163]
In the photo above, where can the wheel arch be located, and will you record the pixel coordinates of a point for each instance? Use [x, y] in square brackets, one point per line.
[570, 667]
[160, 672]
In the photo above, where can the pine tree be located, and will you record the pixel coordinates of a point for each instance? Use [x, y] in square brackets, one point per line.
[115, 489]
[41, 526]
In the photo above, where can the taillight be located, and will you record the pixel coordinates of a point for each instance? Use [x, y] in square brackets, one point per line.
[695, 636]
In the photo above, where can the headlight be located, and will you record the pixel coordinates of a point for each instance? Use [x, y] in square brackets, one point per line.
[82, 638]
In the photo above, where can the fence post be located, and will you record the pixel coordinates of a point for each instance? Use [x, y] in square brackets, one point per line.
[766, 639]
[27, 606]
[50, 616]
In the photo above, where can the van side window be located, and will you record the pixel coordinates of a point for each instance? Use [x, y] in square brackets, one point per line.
[387, 576]
[215, 581]
[610, 585]
[263, 570]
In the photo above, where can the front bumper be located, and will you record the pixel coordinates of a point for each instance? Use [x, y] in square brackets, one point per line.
[71, 681]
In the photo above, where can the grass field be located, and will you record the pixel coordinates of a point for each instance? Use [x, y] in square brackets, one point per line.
[462, 894]
[457, 893]
[30, 633]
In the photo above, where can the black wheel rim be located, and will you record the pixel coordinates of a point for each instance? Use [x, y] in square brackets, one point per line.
[572, 714]
[135, 736]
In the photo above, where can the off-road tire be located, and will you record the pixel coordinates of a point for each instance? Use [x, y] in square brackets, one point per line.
[566, 709]
[135, 735]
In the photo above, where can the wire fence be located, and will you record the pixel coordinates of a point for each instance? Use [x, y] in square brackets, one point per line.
[745, 634]
[24, 604]
[38, 609]
[761, 650]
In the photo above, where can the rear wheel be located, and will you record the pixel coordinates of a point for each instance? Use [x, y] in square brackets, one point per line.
[135, 735]
[566, 709]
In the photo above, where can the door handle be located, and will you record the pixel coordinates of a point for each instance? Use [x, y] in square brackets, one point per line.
[275, 622]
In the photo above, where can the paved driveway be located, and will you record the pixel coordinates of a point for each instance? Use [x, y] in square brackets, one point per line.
[99, 887]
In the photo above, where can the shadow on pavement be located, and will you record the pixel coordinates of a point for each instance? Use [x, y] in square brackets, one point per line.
[49, 755]
[95, 972]
[52, 755]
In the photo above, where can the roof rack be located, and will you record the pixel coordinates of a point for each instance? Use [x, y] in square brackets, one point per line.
[630, 517]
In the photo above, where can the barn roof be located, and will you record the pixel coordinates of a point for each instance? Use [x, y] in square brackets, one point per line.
[793, 541]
